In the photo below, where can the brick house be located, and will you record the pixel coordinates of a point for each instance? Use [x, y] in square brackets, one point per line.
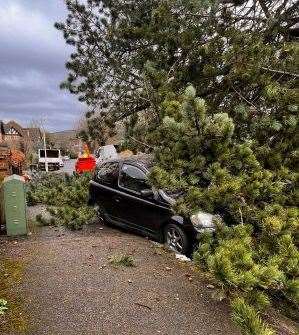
[17, 137]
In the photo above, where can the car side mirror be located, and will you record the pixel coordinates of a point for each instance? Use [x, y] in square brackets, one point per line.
[147, 192]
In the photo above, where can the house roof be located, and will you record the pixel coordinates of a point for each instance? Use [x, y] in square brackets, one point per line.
[33, 133]
[14, 125]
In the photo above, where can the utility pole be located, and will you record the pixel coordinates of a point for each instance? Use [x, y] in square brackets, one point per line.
[45, 148]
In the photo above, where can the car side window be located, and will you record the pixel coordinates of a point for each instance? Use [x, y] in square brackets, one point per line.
[108, 173]
[132, 178]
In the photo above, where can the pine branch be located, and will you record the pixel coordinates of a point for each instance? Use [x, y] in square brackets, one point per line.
[145, 144]
[241, 96]
[281, 72]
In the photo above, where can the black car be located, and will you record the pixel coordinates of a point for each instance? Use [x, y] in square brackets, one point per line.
[122, 194]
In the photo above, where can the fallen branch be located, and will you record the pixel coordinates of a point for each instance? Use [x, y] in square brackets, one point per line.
[145, 144]
[281, 72]
[241, 96]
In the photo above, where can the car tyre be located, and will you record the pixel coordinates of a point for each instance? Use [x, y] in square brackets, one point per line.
[101, 214]
[176, 239]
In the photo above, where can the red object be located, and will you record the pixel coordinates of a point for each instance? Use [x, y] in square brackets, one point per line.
[85, 164]
[17, 158]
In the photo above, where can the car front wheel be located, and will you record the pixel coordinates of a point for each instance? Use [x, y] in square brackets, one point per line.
[176, 239]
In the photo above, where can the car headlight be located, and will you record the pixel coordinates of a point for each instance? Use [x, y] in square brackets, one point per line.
[202, 221]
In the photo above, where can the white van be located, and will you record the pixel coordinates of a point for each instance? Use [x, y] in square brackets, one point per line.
[54, 159]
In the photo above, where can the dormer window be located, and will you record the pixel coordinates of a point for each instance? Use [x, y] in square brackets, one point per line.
[13, 131]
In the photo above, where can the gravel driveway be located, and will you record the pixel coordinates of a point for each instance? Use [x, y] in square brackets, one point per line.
[69, 287]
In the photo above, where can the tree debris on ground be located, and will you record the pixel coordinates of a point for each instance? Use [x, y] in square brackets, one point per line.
[65, 196]
[122, 260]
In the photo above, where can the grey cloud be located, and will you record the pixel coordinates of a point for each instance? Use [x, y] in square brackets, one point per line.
[32, 57]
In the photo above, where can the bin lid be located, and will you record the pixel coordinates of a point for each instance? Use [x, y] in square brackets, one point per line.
[13, 177]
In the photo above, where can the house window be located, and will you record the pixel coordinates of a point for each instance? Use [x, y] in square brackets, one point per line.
[12, 131]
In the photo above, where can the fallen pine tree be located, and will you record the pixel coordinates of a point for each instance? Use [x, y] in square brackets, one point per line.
[253, 253]
[65, 197]
[230, 142]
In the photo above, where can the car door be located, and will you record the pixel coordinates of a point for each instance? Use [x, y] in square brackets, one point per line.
[140, 212]
[105, 188]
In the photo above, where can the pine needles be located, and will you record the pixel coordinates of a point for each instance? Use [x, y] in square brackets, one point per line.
[122, 260]
[248, 319]
[65, 197]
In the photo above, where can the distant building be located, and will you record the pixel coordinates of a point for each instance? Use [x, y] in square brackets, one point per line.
[17, 137]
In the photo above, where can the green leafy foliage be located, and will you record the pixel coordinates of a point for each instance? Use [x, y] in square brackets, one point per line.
[122, 260]
[65, 196]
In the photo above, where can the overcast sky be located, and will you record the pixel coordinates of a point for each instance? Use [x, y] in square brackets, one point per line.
[32, 58]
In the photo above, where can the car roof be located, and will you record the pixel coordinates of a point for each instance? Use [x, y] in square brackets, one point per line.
[145, 160]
